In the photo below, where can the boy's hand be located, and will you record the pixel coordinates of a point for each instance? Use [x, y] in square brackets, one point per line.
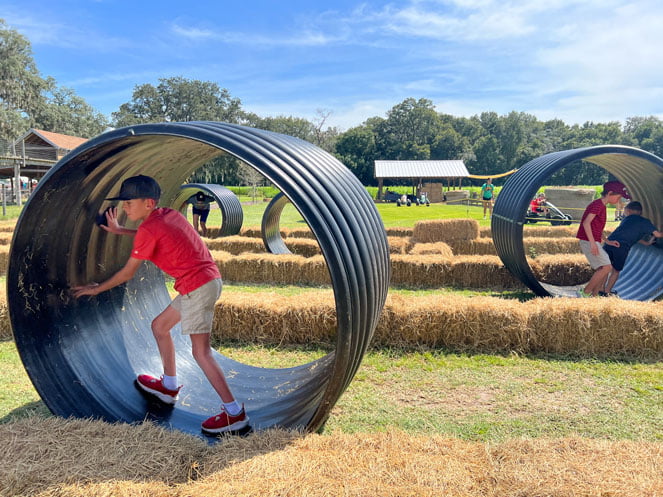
[92, 289]
[111, 221]
[612, 243]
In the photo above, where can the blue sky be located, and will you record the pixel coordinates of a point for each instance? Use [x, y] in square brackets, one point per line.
[592, 60]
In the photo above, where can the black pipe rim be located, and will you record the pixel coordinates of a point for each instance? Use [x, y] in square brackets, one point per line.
[640, 171]
[353, 242]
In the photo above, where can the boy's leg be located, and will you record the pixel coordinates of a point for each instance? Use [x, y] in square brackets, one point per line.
[598, 280]
[202, 353]
[196, 217]
[161, 327]
[611, 281]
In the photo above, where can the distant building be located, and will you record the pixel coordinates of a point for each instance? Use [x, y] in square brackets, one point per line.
[32, 155]
[40, 144]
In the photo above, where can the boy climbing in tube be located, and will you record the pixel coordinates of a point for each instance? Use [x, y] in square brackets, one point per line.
[170, 242]
[590, 234]
[633, 229]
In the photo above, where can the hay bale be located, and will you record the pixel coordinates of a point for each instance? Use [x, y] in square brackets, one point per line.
[455, 322]
[540, 245]
[5, 324]
[399, 231]
[562, 269]
[4, 258]
[235, 244]
[598, 327]
[276, 319]
[6, 237]
[438, 248]
[398, 244]
[305, 247]
[472, 271]
[251, 232]
[480, 246]
[421, 271]
[303, 232]
[287, 269]
[445, 230]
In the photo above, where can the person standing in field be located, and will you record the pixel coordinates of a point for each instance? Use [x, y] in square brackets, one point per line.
[487, 191]
[590, 235]
[200, 205]
[166, 238]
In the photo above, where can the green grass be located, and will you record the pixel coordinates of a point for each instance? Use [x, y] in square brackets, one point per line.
[473, 397]
[392, 216]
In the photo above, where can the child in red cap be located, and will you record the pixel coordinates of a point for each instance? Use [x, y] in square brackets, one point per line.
[590, 234]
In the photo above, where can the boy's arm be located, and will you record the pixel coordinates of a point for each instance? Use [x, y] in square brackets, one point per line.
[587, 226]
[124, 274]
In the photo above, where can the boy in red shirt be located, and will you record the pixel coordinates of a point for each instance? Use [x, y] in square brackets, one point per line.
[590, 234]
[170, 242]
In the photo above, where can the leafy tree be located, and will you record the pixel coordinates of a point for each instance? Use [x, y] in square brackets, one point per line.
[448, 144]
[20, 83]
[178, 100]
[356, 149]
[408, 131]
[65, 112]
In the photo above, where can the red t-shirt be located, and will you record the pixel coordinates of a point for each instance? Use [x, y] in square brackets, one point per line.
[598, 223]
[168, 240]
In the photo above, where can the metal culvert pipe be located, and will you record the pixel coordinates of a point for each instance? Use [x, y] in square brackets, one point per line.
[270, 226]
[640, 171]
[82, 355]
[232, 214]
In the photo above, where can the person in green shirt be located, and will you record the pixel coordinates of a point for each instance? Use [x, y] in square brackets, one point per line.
[487, 190]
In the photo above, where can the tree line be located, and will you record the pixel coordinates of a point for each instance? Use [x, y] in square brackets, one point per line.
[413, 129]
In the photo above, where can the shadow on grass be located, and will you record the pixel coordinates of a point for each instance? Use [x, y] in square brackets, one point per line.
[37, 408]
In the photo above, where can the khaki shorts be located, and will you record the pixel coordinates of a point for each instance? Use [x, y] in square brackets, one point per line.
[197, 307]
[596, 261]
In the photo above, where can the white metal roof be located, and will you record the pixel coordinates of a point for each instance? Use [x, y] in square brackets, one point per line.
[420, 169]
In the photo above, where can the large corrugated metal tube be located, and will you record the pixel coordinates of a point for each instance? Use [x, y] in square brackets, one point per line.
[83, 354]
[640, 171]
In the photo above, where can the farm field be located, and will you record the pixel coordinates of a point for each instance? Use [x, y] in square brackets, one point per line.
[416, 420]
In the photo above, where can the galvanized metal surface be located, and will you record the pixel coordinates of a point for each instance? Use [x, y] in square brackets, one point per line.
[420, 169]
[83, 355]
[232, 214]
[270, 226]
[640, 171]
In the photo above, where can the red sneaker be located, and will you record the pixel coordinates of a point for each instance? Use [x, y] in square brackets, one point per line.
[223, 422]
[155, 387]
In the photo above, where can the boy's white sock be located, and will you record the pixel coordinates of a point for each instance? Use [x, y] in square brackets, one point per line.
[232, 408]
[170, 382]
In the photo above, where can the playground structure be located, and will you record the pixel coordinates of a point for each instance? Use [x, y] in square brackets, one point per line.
[640, 171]
[83, 355]
[232, 215]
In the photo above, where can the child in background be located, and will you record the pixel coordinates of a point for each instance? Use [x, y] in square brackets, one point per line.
[590, 234]
[633, 229]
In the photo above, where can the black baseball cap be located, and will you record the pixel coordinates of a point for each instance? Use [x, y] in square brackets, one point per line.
[138, 187]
